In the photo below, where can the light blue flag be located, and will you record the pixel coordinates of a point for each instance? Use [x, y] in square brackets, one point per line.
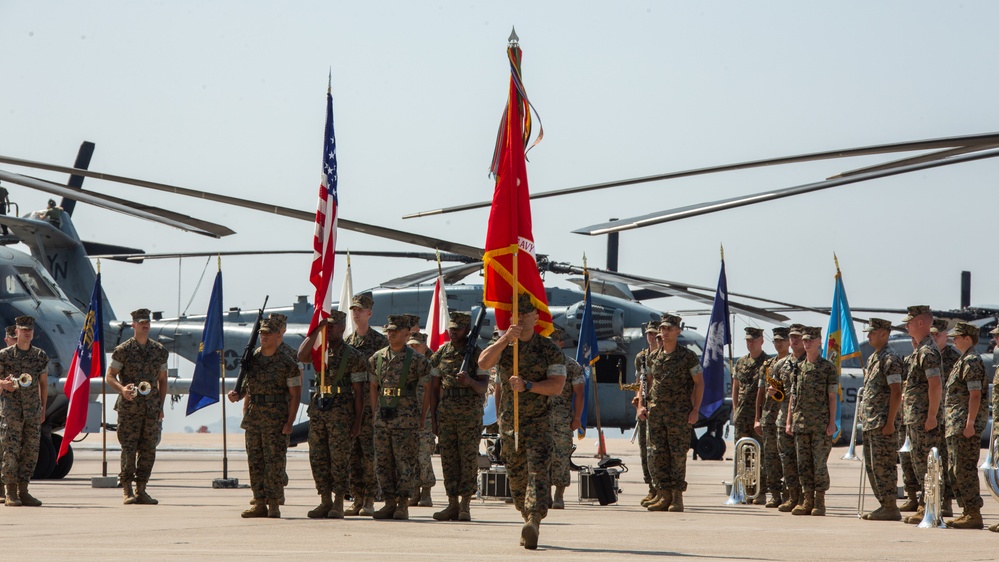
[841, 339]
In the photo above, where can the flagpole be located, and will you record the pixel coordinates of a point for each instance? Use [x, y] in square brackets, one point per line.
[601, 445]
[222, 398]
[104, 411]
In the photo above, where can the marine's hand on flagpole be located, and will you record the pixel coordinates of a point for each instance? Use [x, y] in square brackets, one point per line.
[517, 384]
[513, 334]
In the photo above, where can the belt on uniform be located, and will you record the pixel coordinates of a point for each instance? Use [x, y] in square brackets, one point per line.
[268, 398]
[395, 391]
[457, 392]
[333, 390]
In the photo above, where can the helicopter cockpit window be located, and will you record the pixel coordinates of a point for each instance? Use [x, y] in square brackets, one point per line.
[18, 281]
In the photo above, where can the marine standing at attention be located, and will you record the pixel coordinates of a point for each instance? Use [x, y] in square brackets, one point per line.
[567, 412]
[138, 372]
[540, 375]
[273, 388]
[787, 373]
[425, 478]
[881, 401]
[25, 384]
[939, 331]
[767, 408]
[335, 410]
[363, 481]
[745, 383]
[641, 426]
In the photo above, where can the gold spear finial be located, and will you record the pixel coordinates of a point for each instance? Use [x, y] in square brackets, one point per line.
[722, 247]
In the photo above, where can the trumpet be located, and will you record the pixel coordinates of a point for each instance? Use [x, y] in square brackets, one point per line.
[933, 491]
[746, 484]
[24, 380]
[143, 388]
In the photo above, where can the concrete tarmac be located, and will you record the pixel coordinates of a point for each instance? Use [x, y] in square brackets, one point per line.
[194, 521]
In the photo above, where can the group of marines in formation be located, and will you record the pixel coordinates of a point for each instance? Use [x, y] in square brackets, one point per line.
[788, 403]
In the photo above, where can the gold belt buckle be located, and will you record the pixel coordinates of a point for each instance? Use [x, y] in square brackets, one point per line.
[391, 392]
[326, 389]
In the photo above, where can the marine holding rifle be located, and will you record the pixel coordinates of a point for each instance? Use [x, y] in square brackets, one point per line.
[335, 414]
[540, 375]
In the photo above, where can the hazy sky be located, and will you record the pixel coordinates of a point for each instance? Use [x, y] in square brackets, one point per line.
[229, 97]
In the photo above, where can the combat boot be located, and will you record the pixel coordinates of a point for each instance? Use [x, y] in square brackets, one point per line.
[994, 527]
[449, 513]
[274, 508]
[760, 499]
[401, 509]
[559, 501]
[775, 500]
[662, 502]
[336, 512]
[916, 518]
[141, 497]
[677, 505]
[355, 507]
[806, 507]
[463, 513]
[530, 531]
[26, 498]
[793, 495]
[324, 507]
[259, 509]
[368, 508]
[653, 494]
[972, 519]
[425, 499]
[10, 498]
[128, 496]
[819, 509]
[887, 512]
[387, 510]
[911, 504]
[947, 508]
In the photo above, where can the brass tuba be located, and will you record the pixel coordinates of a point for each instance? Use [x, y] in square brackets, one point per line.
[24, 380]
[933, 491]
[746, 484]
[990, 468]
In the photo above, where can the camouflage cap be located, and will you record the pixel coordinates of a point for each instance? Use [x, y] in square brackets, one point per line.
[396, 322]
[939, 325]
[11, 331]
[796, 330]
[877, 324]
[279, 321]
[753, 333]
[670, 321]
[812, 333]
[652, 326]
[363, 300]
[459, 320]
[417, 338]
[965, 329]
[524, 304]
[411, 320]
[269, 325]
[336, 317]
[995, 331]
[141, 315]
[558, 334]
[916, 310]
[781, 333]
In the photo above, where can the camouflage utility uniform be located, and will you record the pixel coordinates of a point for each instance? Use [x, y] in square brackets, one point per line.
[884, 368]
[529, 466]
[425, 477]
[922, 364]
[748, 372]
[771, 470]
[459, 420]
[562, 415]
[810, 394]
[397, 422]
[139, 423]
[670, 400]
[329, 431]
[21, 411]
[642, 426]
[363, 482]
[967, 375]
[267, 382]
[787, 370]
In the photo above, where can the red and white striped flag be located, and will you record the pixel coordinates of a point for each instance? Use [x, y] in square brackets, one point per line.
[438, 318]
[324, 242]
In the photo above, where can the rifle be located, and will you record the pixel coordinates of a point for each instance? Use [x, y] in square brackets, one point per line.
[251, 346]
[473, 337]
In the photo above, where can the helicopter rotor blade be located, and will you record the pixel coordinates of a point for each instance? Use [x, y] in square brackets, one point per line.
[744, 200]
[982, 141]
[451, 275]
[937, 155]
[140, 257]
[175, 220]
[398, 235]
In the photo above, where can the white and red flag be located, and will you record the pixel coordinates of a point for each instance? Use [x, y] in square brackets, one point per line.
[438, 318]
[87, 363]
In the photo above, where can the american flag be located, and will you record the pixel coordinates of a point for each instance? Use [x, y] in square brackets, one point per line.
[324, 242]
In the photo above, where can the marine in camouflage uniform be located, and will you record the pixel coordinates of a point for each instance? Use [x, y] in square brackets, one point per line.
[642, 425]
[397, 371]
[966, 413]
[948, 357]
[812, 420]
[787, 370]
[10, 338]
[767, 408]
[428, 441]
[541, 375]
[363, 481]
[880, 405]
[567, 411]
[922, 396]
[22, 409]
[335, 410]
[138, 362]
[455, 402]
[745, 383]
[674, 401]
[273, 387]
